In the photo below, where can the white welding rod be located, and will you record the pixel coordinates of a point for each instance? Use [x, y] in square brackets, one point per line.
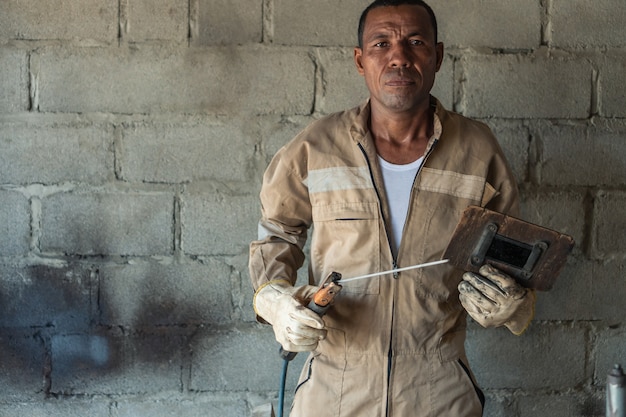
[393, 271]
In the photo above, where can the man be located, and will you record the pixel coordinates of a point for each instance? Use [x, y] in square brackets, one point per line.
[383, 186]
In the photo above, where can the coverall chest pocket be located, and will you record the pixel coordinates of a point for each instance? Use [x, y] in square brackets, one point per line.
[346, 239]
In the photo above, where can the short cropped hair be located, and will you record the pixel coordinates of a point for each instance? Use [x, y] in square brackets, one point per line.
[385, 3]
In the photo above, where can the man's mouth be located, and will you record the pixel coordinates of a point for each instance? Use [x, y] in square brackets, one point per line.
[399, 82]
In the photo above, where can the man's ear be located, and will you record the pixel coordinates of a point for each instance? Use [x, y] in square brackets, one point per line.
[358, 56]
[439, 48]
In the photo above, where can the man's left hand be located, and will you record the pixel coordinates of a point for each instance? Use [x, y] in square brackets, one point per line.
[494, 299]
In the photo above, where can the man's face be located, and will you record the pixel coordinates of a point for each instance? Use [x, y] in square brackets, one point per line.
[399, 57]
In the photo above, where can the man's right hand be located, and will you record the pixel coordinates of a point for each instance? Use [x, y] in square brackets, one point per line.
[296, 328]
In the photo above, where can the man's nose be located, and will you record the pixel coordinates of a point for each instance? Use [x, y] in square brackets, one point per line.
[400, 56]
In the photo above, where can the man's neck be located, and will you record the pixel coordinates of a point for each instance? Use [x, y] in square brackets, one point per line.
[401, 137]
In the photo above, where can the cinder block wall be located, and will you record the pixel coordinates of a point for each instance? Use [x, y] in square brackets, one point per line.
[133, 137]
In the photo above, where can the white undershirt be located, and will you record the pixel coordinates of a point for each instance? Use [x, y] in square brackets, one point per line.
[398, 181]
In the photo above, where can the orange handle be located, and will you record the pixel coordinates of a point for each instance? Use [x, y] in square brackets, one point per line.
[325, 295]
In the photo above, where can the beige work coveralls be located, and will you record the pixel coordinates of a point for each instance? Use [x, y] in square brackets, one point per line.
[395, 344]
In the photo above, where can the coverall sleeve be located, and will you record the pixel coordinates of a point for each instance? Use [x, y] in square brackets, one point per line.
[504, 196]
[277, 254]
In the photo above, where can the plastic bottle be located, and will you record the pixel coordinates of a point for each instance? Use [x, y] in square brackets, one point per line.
[616, 393]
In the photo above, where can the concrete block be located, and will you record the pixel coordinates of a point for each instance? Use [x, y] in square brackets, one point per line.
[14, 223]
[248, 315]
[242, 292]
[575, 155]
[610, 350]
[218, 224]
[498, 405]
[262, 403]
[612, 88]
[147, 295]
[14, 82]
[53, 153]
[586, 291]
[42, 296]
[342, 86]
[317, 22]
[544, 357]
[276, 133]
[507, 24]
[609, 225]
[183, 407]
[574, 295]
[161, 80]
[563, 211]
[609, 291]
[21, 368]
[143, 20]
[514, 140]
[240, 360]
[573, 24]
[58, 407]
[264, 410]
[561, 405]
[218, 150]
[444, 83]
[101, 363]
[108, 223]
[216, 19]
[514, 86]
[59, 20]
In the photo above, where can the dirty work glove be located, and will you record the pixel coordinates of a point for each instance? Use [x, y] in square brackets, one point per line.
[296, 328]
[494, 299]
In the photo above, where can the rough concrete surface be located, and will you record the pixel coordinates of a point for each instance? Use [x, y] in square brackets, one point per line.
[134, 135]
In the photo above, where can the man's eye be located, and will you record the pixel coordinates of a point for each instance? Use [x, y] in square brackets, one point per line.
[416, 42]
[380, 44]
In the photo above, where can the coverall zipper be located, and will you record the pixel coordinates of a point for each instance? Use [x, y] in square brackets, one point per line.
[394, 257]
[395, 275]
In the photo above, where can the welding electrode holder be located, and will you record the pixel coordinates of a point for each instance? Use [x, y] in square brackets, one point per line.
[320, 303]
[616, 393]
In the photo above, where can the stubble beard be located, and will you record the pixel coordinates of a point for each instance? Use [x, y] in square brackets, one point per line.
[405, 99]
[402, 102]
